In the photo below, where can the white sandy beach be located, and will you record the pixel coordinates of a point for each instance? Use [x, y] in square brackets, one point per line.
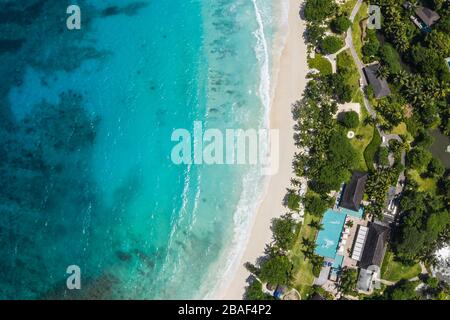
[290, 82]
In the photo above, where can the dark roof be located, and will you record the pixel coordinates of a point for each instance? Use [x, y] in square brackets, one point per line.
[354, 191]
[375, 245]
[317, 296]
[379, 85]
[428, 16]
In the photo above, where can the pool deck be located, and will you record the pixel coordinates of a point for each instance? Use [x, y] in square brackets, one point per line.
[352, 213]
[348, 261]
[328, 239]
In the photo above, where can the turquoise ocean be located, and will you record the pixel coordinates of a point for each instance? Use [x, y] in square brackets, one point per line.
[86, 123]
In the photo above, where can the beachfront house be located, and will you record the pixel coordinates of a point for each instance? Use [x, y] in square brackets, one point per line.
[374, 248]
[423, 17]
[379, 85]
[427, 16]
[354, 191]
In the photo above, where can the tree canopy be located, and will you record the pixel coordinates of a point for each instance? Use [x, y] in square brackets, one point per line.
[340, 24]
[276, 270]
[331, 44]
[403, 290]
[284, 231]
[424, 219]
[255, 292]
[315, 205]
[350, 119]
[419, 158]
[318, 10]
[348, 280]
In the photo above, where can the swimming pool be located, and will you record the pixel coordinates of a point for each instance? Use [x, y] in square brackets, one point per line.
[357, 214]
[328, 239]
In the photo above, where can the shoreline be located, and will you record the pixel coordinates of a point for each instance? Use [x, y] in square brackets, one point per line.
[289, 82]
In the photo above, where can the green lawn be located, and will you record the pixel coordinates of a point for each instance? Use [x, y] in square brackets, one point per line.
[366, 131]
[345, 65]
[358, 97]
[425, 184]
[356, 29]
[320, 63]
[361, 144]
[303, 276]
[372, 148]
[394, 271]
[401, 129]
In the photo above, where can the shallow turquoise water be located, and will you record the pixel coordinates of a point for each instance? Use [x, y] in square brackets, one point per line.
[101, 191]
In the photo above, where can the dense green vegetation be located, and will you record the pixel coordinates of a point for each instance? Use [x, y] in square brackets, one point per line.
[390, 58]
[425, 223]
[376, 189]
[255, 292]
[331, 155]
[284, 232]
[276, 269]
[390, 113]
[419, 158]
[413, 63]
[315, 204]
[350, 119]
[340, 24]
[403, 290]
[319, 290]
[383, 156]
[348, 280]
[293, 200]
[331, 44]
[425, 83]
[371, 46]
[318, 10]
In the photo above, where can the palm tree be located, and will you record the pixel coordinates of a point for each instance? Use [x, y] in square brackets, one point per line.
[401, 77]
[436, 89]
[369, 121]
[383, 72]
[295, 182]
[414, 5]
[308, 243]
[316, 224]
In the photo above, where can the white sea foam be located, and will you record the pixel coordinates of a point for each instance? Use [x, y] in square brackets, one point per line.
[254, 184]
[178, 215]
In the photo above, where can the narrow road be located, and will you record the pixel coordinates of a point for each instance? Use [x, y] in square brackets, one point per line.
[360, 67]
[369, 108]
[349, 44]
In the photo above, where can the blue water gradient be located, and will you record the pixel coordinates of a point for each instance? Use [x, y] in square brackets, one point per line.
[86, 119]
